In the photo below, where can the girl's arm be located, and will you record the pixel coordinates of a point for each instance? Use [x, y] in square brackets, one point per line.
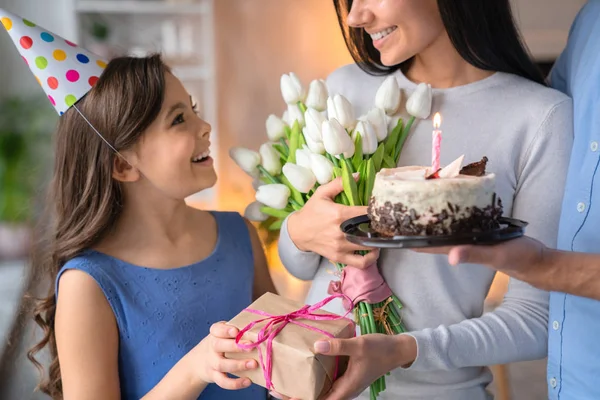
[87, 340]
[262, 278]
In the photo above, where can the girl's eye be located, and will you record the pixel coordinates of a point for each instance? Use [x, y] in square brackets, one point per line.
[178, 120]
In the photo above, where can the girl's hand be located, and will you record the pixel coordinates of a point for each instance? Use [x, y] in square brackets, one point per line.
[210, 363]
[316, 228]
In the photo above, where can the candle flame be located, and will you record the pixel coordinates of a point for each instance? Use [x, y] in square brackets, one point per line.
[437, 120]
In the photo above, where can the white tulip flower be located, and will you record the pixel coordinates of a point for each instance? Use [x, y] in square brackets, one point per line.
[338, 107]
[292, 89]
[270, 159]
[317, 95]
[248, 160]
[253, 212]
[388, 96]
[301, 178]
[336, 140]
[419, 103]
[274, 195]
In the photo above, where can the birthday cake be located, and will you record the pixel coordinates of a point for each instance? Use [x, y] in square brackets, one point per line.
[415, 200]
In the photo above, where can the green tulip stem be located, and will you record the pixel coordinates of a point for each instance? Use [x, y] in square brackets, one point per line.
[266, 173]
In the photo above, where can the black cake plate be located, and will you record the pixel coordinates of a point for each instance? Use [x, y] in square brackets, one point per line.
[358, 230]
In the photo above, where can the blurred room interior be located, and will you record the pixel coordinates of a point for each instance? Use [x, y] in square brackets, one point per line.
[230, 55]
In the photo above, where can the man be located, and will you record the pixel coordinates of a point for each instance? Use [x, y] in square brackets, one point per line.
[574, 324]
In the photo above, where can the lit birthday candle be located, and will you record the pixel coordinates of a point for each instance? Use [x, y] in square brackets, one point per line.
[436, 143]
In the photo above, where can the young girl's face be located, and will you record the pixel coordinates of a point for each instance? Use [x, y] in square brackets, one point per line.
[173, 154]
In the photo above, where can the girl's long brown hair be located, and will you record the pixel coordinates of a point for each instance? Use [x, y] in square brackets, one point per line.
[84, 201]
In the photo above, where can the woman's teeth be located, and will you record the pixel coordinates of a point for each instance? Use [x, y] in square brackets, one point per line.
[201, 156]
[383, 33]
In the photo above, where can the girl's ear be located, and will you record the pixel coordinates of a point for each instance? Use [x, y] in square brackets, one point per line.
[123, 171]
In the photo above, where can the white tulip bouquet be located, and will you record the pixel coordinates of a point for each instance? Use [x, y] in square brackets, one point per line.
[318, 139]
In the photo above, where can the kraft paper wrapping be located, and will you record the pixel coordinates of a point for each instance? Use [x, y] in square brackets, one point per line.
[297, 371]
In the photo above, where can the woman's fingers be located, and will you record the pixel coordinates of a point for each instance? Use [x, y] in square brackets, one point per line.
[358, 261]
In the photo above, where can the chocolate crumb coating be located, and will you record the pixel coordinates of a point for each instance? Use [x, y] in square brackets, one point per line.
[476, 168]
[398, 220]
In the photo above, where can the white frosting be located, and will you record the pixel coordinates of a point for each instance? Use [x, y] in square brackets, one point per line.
[408, 186]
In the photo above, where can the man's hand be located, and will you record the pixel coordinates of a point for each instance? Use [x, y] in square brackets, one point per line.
[522, 258]
[371, 356]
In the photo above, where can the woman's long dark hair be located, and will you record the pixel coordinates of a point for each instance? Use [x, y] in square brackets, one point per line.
[483, 32]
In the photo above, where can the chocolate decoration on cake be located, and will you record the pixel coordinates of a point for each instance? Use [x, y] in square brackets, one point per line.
[397, 220]
[476, 168]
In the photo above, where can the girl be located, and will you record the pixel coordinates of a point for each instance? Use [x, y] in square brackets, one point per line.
[494, 104]
[140, 277]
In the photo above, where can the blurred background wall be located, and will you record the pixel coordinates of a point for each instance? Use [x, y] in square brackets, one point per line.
[230, 54]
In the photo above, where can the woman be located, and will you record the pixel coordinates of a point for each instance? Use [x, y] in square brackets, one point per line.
[494, 103]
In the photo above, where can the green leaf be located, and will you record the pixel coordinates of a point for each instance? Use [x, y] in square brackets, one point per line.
[288, 132]
[294, 141]
[275, 226]
[402, 139]
[343, 199]
[369, 181]
[273, 212]
[301, 140]
[302, 107]
[337, 172]
[296, 195]
[378, 156]
[362, 180]
[283, 152]
[358, 154]
[349, 183]
[392, 139]
[388, 162]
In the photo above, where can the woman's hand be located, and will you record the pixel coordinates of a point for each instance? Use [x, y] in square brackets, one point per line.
[316, 228]
[211, 366]
[371, 356]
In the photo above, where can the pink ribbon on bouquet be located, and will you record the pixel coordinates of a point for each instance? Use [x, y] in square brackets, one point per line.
[360, 285]
[278, 322]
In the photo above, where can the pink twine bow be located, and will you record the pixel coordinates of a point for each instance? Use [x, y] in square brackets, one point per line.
[277, 323]
[360, 285]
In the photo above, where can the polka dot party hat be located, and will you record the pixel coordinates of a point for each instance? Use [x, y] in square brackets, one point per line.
[65, 71]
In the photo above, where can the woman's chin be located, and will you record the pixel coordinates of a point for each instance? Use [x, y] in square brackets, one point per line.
[390, 59]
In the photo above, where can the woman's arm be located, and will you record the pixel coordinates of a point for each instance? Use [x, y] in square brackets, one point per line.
[262, 278]
[301, 264]
[87, 340]
[514, 331]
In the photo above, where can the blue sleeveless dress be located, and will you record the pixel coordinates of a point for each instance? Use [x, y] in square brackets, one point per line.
[163, 314]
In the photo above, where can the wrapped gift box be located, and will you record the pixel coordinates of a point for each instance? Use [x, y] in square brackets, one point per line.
[296, 370]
